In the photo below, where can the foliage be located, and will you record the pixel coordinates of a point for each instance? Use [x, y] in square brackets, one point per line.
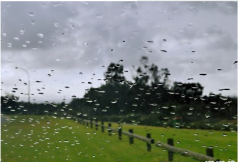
[148, 99]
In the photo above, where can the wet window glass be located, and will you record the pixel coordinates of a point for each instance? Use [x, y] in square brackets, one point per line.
[119, 81]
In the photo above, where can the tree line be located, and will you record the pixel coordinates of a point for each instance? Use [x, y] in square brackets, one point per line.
[148, 99]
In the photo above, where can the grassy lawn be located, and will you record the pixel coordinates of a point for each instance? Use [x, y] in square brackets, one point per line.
[43, 139]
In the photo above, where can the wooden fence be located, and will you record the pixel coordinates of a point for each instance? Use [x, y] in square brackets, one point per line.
[168, 146]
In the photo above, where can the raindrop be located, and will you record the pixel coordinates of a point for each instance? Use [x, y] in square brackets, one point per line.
[235, 62]
[224, 89]
[24, 45]
[28, 42]
[190, 24]
[33, 22]
[207, 115]
[66, 87]
[163, 50]
[9, 45]
[31, 13]
[150, 41]
[21, 32]
[99, 16]
[57, 60]
[16, 38]
[56, 25]
[115, 101]
[223, 98]
[165, 107]
[203, 74]
[40, 35]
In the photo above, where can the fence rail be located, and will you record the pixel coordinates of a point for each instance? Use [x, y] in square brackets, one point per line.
[171, 149]
[185, 152]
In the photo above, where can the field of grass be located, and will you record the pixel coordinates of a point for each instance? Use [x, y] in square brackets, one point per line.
[45, 139]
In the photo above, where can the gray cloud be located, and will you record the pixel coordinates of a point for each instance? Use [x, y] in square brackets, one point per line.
[84, 36]
[33, 24]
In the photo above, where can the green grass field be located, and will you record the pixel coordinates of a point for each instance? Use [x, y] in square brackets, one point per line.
[48, 139]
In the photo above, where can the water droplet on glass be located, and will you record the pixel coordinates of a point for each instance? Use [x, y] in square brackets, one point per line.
[207, 115]
[56, 25]
[16, 38]
[21, 32]
[4, 34]
[149, 41]
[24, 45]
[57, 60]
[191, 108]
[190, 24]
[115, 101]
[33, 22]
[9, 45]
[99, 16]
[40, 35]
[31, 13]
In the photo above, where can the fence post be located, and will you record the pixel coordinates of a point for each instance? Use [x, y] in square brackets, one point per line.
[91, 125]
[170, 153]
[96, 125]
[109, 129]
[120, 132]
[102, 123]
[148, 143]
[209, 151]
[131, 137]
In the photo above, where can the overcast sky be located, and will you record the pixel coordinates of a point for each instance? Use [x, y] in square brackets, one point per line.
[65, 38]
